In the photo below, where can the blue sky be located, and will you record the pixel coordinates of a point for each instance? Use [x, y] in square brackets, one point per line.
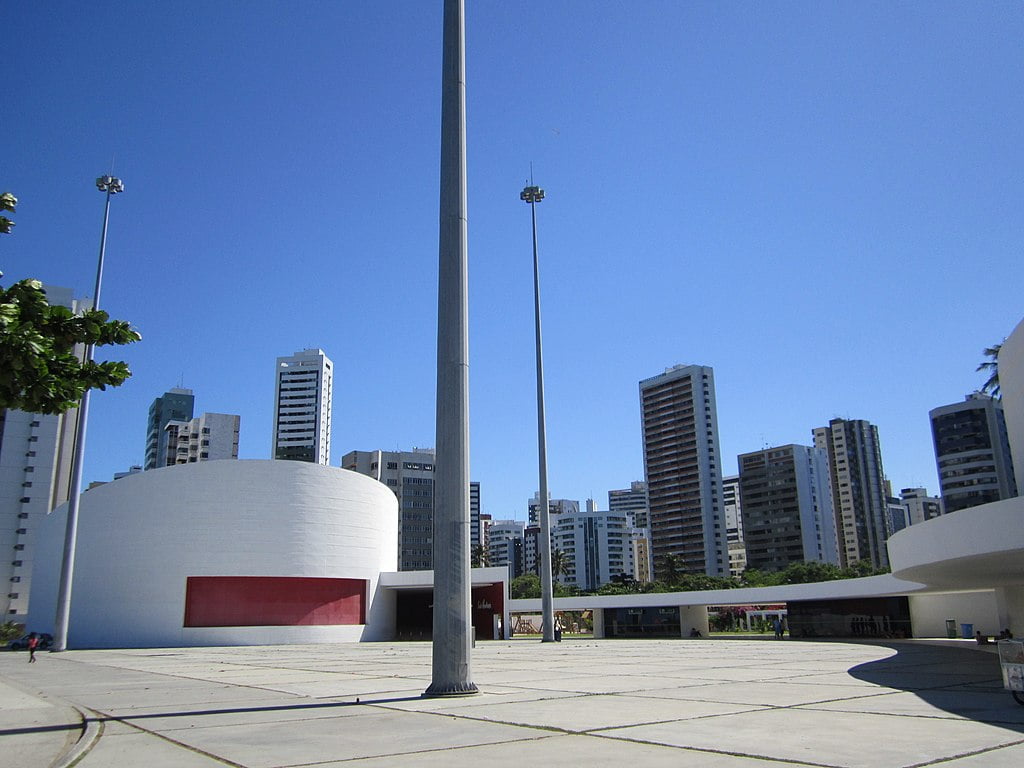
[820, 200]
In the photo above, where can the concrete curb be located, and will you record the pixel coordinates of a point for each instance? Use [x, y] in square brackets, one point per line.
[91, 734]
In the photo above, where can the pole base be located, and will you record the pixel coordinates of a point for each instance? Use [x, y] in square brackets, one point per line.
[451, 689]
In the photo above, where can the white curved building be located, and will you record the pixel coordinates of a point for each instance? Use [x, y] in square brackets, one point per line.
[224, 553]
[980, 547]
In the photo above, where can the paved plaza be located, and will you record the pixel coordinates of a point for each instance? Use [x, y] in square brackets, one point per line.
[715, 703]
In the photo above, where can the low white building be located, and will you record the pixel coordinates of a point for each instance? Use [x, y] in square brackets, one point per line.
[224, 552]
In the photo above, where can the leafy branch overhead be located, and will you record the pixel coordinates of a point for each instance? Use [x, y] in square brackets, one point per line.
[991, 369]
[39, 370]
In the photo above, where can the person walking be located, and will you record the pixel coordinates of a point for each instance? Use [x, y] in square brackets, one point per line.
[33, 643]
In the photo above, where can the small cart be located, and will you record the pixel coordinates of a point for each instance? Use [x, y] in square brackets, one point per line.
[1011, 659]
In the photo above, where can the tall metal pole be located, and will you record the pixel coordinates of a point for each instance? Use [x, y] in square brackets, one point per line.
[452, 638]
[534, 195]
[111, 186]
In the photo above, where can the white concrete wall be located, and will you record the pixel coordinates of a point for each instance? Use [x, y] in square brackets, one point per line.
[928, 613]
[142, 536]
[1011, 385]
[1010, 604]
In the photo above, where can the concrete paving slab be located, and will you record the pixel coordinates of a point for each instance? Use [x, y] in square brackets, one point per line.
[283, 709]
[124, 746]
[34, 731]
[850, 740]
[962, 705]
[589, 713]
[269, 745]
[1007, 757]
[786, 693]
[812, 702]
[560, 750]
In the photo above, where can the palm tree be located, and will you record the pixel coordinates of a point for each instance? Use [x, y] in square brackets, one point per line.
[991, 366]
[559, 563]
[671, 568]
[480, 556]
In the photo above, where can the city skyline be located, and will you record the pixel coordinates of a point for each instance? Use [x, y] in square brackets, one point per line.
[819, 203]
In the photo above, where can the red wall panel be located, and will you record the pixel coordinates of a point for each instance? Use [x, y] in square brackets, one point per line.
[252, 601]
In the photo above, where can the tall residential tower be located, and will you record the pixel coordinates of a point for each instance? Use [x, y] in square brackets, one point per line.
[683, 469]
[303, 401]
[972, 451]
[174, 405]
[858, 489]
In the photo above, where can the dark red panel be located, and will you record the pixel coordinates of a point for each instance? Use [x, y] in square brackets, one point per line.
[273, 601]
[487, 601]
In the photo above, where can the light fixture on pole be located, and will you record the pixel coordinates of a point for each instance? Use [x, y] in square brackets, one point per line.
[533, 195]
[111, 186]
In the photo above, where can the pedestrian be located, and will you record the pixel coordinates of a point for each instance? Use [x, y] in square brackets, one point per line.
[33, 643]
[777, 625]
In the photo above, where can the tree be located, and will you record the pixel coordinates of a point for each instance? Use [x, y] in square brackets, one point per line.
[559, 563]
[480, 558]
[991, 366]
[670, 569]
[39, 371]
[524, 587]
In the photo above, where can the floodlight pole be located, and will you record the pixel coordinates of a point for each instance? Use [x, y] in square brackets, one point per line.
[111, 186]
[533, 195]
[452, 620]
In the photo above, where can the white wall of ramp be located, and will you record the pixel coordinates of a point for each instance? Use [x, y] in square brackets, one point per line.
[142, 536]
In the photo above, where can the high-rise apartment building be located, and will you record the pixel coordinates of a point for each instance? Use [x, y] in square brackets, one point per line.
[787, 507]
[683, 470]
[35, 476]
[410, 475]
[734, 524]
[209, 437]
[858, 489]
[972, 452]
[595, 544]
[176, 404]
[555, 507]
[303, 403]
[631, 502]
[919, 505]
[505, 546]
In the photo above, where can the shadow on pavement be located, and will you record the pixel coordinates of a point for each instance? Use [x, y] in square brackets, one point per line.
[103, 718]
[963, 682]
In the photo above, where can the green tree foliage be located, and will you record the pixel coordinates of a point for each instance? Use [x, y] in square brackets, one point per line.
[524, 587]
[7, 205]
[479, 558]
[10, 631]
[527, 586]
[39, 371]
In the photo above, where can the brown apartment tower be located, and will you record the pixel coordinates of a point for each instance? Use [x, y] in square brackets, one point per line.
[683, 469]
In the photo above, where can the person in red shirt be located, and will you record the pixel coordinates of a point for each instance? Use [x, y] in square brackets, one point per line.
[33, 643]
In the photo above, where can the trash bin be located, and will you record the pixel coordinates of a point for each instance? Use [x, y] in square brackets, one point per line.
[951, 629]
[967, 631]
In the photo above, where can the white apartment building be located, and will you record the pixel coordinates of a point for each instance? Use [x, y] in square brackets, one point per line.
[505, 545]
[209, 437]
[303, 403]
[919, 505]
[632, 502]
[734, 524]
[35, 470]
[597, 546]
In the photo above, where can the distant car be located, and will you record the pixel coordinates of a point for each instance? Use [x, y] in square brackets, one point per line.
[45, 641]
